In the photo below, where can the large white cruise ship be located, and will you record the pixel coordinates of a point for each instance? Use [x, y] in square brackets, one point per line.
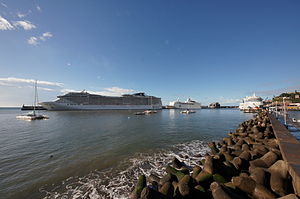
[251, 102]
[188, 104]
[86, 101]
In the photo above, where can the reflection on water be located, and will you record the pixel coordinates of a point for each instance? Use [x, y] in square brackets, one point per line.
[34, 155]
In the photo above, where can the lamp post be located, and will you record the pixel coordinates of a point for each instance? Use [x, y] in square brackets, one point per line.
[276, 110]
[284, 110]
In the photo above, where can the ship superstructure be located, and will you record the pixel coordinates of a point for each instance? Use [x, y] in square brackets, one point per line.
[188, 104]
[251, 102]
[86, 101]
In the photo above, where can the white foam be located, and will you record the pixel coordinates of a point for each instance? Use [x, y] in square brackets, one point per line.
[118, 182]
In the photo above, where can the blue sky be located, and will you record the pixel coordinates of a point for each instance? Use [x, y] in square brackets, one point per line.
[207, 50]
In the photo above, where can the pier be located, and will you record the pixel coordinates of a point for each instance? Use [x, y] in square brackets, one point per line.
[290, 148]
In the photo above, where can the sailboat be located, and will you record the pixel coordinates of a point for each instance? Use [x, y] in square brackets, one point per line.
[33, 115]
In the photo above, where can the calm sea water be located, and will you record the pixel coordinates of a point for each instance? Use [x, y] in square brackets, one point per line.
[100, 154]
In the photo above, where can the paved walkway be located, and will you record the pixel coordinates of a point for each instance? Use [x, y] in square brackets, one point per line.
[290, 150]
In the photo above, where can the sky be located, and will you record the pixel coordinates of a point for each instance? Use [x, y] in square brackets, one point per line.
[174, 49]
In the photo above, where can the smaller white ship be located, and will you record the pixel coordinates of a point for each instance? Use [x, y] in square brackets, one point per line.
[188, 104]
[33, 115]
[251, 102]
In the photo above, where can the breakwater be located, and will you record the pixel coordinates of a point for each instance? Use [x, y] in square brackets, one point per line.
[247, 164]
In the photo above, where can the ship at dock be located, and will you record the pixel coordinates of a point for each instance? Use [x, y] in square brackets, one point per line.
[251, 103]
[188, 104]
[86, 101]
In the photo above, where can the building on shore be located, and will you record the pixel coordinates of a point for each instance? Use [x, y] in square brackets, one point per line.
[214, 105]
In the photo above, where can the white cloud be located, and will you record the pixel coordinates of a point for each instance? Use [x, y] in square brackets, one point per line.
[21, 15]
[229, 101]
[42, 88]
[278, 91]
[119, 90]
[15, 81]
[47, 34]
[5, 84]
[26, 25]
[35, 40]
[4, 5]
[39, 8]
[5, 25]
[69, 64]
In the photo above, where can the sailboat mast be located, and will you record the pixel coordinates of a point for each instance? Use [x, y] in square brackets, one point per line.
[35, 90]
[151, 103]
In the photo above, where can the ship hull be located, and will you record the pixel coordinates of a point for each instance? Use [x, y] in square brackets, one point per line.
[179, 105]
[250, 105]
[54, 106]
[183, 106]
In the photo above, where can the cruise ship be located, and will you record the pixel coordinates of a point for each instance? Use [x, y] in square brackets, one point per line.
[188, 104]
[251, 102]
[86, 101]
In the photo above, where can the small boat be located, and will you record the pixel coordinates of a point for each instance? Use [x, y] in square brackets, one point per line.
[140, 113]
[295, 120]
[32, 115]
[187, 111]
[150, 111]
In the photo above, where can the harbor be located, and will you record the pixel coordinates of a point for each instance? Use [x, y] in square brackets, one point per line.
[101, 152]
[149, 99]
[82, 168]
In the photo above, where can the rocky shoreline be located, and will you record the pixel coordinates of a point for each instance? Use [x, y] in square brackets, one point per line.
[247, 164]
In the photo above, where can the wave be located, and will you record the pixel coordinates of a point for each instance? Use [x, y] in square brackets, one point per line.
[119, 181]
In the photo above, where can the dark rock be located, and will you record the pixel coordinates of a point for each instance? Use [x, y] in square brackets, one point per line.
[167, 178]
[176, 163]
[149, 193]
[209, 166]
[245, 155]
[261, 192]
[227, 156]
[243, 174]
[141, 184]
[258, 175]
[153, 178]
[196, 171]
[184, 185]
[167, 189]
[218, 192]
[290, 196]
[203, 176]
[175, 172]
[269, 158]
[245, 184]
[213, 148]
[219, 178]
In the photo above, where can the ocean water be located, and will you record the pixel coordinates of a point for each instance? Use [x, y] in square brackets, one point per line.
[294, 130]
[78, 154]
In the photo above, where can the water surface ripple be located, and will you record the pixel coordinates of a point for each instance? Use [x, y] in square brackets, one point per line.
[99, 154]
